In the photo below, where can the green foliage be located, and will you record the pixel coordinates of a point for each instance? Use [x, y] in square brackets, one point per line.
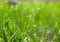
[30, 22]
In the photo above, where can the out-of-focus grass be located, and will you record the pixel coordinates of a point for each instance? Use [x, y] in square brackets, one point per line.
[30, 22]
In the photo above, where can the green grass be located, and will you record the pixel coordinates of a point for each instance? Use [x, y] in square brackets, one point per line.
[30, 22]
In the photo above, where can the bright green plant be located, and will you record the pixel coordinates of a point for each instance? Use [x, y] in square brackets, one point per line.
[30, 22]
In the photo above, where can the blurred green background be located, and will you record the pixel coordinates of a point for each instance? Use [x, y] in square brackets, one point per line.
[30, 22]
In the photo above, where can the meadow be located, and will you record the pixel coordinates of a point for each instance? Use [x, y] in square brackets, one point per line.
[30, 22]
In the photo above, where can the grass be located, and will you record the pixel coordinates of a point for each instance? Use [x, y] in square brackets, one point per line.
[30, 22]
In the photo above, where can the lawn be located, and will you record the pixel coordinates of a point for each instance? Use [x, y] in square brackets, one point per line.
[30, 22]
